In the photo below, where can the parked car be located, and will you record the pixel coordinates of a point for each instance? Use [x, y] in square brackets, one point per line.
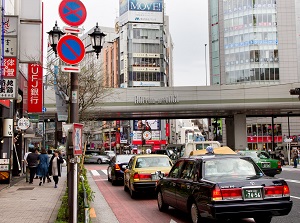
[222, 187]
[116, 168]
[270, 166]
[111, 154]
[141, 172]
[95, 157]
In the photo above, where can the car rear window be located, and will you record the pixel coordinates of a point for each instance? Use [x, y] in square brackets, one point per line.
[145, 162]
[228, 167]
[123, 158]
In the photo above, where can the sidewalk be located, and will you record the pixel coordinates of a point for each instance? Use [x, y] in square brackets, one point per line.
[31, 203]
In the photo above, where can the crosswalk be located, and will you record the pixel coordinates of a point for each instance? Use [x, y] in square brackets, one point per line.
[98, 172]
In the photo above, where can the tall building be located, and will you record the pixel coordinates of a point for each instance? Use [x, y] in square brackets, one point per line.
[255, 42]
[145, 59]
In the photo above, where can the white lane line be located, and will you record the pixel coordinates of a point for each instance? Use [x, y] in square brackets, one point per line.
[95, 173]
[172, 221]
[295, 197]
[104, 171]
[292, 181]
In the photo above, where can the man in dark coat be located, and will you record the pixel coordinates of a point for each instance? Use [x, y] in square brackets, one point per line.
[33, 161]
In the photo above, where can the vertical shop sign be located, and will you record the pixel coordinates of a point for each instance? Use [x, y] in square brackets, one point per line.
[35, 88]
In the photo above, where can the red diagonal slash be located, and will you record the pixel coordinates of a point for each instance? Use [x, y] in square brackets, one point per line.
[72, 11]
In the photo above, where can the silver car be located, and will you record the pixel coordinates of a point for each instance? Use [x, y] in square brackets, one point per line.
[96, 157]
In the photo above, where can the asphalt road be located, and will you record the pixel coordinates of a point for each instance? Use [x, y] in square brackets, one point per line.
[144, 209]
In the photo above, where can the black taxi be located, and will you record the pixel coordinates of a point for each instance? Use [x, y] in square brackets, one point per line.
[223, 187]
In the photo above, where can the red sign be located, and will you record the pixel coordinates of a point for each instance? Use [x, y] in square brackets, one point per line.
[262, 139]
[72, 12]
[6, 103]
[10, 67]
[70, 49]
[35, 88]
[167, 129]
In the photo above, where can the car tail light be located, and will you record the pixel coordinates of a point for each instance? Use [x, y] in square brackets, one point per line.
[279, 164]
[142, 176]
[117, 167]
[286, 191]
[275, 191]
[226, 194]
[231, 194]
[216, 194]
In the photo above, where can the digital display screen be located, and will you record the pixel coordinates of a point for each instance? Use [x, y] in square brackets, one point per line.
[146, 125]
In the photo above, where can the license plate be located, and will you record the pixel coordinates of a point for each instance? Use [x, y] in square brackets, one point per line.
[265, 165]
[154, 177]
[252, 193]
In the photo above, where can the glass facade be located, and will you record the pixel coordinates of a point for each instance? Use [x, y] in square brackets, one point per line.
[250, 41]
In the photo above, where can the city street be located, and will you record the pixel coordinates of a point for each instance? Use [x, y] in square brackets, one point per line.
[145, 208]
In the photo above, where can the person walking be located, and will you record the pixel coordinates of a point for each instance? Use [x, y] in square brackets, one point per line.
[26, 165]
[49, 158]
[295, 157]
[33, 161]
[55, 166]
[42, 169]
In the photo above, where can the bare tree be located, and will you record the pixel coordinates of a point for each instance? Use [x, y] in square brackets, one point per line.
[90, 83]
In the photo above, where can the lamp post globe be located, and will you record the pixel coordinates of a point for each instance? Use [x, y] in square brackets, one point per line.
[97, 39]
[54, 36]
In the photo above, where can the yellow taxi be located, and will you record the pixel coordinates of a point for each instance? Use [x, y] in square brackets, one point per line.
[143, 171]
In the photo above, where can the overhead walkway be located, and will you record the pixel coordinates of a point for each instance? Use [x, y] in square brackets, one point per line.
[192, 102]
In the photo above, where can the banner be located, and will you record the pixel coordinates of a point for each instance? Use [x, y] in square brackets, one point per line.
[35, 88]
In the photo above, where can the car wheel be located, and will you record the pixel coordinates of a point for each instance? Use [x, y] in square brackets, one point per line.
[162, 206]
[132, 193]
[194, 213]
[113, 182]
[99, 161]
[263, 219]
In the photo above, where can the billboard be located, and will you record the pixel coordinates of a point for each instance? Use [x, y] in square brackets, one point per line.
[144, 11]
[146, 125]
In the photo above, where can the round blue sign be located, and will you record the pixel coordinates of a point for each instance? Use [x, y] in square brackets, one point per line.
[72, 12]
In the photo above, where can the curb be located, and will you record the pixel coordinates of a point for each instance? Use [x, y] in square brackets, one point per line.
[104, 214]
[58, 204]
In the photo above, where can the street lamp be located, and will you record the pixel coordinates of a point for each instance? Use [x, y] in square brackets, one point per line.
[97, 39]
[54, 36]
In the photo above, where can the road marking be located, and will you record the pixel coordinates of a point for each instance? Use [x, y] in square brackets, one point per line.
[295, 197]
[292, 181]
[95, 173]
[172, 221]
[92, 213]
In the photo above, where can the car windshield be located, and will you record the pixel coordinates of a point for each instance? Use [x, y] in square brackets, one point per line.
[229, 167]
[123, 158]
[144, 162]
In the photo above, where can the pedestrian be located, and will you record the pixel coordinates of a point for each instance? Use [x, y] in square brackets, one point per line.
[33, 160]
[295, 157]
[42, 170]
[49, 158]
[281, 157]
[26, 165]
[55, 166]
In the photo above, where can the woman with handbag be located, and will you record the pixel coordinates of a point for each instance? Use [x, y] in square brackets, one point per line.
[55, 166]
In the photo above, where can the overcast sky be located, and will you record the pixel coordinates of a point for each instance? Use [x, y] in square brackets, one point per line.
[188, 27]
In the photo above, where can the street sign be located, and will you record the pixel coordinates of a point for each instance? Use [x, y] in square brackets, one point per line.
[44, 109]
[70, 49]
[70, 69]
[72, 12]
[23, 123]
[72, 30]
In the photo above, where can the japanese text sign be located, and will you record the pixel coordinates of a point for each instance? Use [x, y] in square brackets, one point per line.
[10, 67]
[35, 88]
[77, 138]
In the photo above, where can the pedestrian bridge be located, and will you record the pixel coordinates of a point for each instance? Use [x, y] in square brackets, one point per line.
[192, 102]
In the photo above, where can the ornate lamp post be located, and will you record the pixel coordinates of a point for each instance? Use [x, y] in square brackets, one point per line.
[54, 36]
[97, 39]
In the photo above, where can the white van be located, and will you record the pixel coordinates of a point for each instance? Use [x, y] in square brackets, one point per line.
[192, 146]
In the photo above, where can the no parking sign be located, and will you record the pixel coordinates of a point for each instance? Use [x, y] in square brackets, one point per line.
[72, 12]
[70, 49]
